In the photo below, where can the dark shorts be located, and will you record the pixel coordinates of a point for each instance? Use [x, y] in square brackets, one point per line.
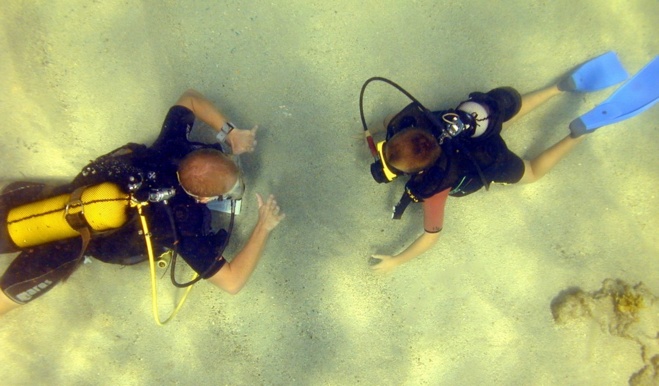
[508, 101]
[502, 104]
[508, 167]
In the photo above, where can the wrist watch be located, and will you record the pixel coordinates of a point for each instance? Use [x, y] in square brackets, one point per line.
[224, 131]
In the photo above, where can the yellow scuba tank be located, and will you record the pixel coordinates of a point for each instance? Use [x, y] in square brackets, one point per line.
[102, 207]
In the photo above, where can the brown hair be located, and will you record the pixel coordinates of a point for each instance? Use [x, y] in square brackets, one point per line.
[412, 150]
[207, 173]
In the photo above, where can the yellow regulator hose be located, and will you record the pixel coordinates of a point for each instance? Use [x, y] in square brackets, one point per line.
[152, 266]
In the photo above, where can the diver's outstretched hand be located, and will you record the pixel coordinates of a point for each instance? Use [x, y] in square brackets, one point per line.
[269, 213]
[383, 263]
[242, 141]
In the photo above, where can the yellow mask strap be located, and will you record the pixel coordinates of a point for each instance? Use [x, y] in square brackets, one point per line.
[388, 173]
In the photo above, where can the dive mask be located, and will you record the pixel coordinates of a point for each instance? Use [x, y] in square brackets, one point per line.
[380, 170]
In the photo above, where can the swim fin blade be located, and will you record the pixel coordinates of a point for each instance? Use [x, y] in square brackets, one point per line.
[635, 96]
[596, 74]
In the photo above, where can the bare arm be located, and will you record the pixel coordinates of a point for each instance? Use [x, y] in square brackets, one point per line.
[233, 275]
[420, 245]
[202, 108]
[433, 221]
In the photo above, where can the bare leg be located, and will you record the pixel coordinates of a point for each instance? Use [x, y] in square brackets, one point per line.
[543, 163]
[6, 304]
[540, 165]
[534, 99]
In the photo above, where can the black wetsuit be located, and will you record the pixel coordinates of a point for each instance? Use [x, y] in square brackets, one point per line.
[134, 168]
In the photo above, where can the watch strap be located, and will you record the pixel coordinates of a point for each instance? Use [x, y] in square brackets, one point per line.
[224, 131]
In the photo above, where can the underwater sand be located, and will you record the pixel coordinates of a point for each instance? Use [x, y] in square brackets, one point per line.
[80, 78]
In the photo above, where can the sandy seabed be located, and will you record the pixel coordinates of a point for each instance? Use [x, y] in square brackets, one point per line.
[514, 293]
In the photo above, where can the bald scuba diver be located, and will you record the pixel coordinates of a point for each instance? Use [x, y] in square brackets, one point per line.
[171, 182]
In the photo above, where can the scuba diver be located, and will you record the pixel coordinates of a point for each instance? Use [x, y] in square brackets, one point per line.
[169, 182]
[458, 151]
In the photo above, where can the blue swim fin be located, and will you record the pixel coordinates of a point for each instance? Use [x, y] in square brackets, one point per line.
[635, 96]
[596, 74]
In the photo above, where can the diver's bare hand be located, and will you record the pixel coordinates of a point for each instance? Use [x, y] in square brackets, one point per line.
[269, 212]
[242, 141]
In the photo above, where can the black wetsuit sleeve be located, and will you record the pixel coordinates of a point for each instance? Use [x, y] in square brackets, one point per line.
[202, 253]
[198, 245]
[178, 124]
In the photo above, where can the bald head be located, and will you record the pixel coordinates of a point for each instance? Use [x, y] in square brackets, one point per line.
[207, 173]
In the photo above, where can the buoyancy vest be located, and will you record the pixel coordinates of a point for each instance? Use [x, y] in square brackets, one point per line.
[462, 160]
[460, 164]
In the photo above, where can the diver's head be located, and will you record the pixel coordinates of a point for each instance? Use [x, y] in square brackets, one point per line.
[209, 174]
[411, 150]
[408, 152]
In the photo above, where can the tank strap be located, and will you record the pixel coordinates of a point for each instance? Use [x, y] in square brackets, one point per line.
[74, 214]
